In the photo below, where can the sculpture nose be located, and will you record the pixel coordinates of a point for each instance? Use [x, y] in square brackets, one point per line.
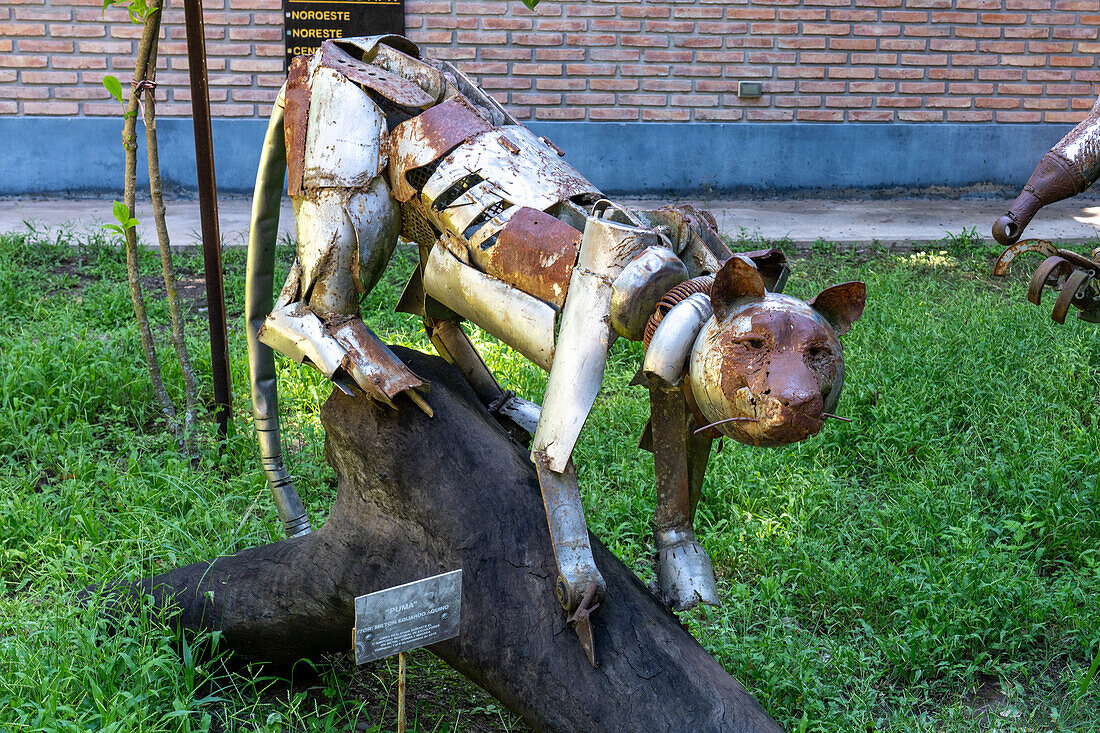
[796, 397]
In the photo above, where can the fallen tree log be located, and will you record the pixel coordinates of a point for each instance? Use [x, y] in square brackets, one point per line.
[419, 496]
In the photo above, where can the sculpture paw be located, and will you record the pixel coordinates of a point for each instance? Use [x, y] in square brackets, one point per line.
[685, 576]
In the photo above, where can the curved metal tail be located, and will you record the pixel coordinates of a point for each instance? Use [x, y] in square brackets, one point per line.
[259, 281]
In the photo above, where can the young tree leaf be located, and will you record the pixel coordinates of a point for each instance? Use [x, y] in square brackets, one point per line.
[531, 3]
[113, 87]
[121, 212]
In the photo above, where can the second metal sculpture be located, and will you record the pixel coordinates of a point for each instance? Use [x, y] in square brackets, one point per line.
[1067, 169]
[379, 143]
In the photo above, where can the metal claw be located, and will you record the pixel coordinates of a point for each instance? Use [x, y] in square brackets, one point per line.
[581, 623]
[1000, 267]
[1052, 267]
[1073, 284]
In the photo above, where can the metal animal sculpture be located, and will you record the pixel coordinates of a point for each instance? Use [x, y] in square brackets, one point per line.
[379, 143]
[1069, 168]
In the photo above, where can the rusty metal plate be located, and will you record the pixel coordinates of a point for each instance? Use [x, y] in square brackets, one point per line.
[407, 616]
[524, 170]
[295, 119]
[389, 85]
[427, 138]
[379, 366]
[536, 253]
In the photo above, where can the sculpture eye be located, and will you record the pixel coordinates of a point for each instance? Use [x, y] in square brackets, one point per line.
[817, 352]
[755, 343]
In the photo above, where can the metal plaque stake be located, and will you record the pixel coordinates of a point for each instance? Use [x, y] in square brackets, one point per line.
[401, 692]
[407, 616]
[208, 210]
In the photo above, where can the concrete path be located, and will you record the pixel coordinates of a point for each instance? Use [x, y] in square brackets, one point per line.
[893, 222]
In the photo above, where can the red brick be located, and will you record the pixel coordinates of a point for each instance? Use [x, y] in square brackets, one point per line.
[589, 99]
[1019, 116]
[862, 16]
[872, 87]
[613, 114]
[506, 54]
[898, 102]
[798, 101]
[581, 39]
[899, 44]
[51, 108]
[693, 100]
[802, 72]
[858, 72]
[634, 26]
[644, 41]
[852, 44]
[670, 85]
[719, 115]
[1051, 104]
[551, 85]
[820, 115]
[970, 115]
[543, 98]
[951, 74]
[609, 54]
[643, 100]
[773, 29]
[1018, 90]
[920, 116]
[557, 24]
[615, 85]
[665, 115]
[496, 83]
[827, 87]
[870, 115]
[977, 32]
[996, 103]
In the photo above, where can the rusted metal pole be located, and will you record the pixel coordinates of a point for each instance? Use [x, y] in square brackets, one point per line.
[208, 210]
[401, 692]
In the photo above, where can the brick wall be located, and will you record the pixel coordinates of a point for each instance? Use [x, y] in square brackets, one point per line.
[819, 60]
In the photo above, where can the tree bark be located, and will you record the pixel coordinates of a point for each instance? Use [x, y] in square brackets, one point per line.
[149, 39]
[419, 496]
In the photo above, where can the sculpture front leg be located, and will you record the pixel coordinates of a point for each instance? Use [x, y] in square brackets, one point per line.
[685, 576]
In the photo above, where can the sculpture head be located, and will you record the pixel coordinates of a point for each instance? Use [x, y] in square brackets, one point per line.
[771, 362]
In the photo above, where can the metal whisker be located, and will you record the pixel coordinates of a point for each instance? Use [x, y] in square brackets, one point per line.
[728, 419]
[836, 417]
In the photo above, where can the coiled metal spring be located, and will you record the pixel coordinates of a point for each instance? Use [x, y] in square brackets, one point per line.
[672, 297]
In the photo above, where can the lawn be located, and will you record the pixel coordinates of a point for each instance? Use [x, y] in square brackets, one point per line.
[932, 565]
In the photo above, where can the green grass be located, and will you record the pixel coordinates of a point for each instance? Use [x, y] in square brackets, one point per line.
[933, 565]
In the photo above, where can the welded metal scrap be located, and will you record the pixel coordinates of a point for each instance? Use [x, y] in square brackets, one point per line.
[381, 142]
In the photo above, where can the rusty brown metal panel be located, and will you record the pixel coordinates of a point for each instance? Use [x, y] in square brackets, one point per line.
[669, 423]
[427, 138]
[374, 360]
[535, 252]
[295, 121]
[389, 85]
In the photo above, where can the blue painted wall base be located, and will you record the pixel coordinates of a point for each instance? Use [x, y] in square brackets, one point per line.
[57, 155]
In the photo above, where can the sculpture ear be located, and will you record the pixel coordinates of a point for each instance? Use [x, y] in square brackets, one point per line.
[737, 280]
[842, 305]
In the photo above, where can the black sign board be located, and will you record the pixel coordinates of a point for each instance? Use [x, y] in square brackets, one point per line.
[308, 22]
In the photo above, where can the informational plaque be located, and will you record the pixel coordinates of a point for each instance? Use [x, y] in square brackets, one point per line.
[308, 22]
[407, 616]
